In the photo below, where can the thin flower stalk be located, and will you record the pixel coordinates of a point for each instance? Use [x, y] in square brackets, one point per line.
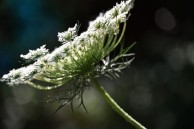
[116, 107]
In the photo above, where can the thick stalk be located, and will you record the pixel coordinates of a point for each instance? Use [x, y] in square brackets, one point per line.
[116, 107]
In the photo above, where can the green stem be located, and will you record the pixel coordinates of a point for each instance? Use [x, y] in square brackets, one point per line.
[116, 107]
[42, 87]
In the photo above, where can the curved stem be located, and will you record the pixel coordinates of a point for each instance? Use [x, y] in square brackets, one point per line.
[116, 107]
[122, 34]
[42, 87]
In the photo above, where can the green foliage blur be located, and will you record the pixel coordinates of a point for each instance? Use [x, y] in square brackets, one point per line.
[157, 90]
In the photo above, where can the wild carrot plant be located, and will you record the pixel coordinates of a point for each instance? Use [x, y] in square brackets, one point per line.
[81, 59]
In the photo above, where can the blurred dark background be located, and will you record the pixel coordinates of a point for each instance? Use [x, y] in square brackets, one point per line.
[157, 90]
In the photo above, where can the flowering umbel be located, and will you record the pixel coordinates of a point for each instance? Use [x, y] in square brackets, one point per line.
[79, 58]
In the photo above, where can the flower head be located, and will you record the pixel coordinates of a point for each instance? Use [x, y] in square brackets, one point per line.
[68, 35]
[33, 55]
[80, 57]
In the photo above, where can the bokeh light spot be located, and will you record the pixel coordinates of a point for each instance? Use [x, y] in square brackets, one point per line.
[164, 19]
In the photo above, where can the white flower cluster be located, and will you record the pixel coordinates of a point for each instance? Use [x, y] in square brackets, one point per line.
[110, 21]
[19, 76]
[68, 35]
[77, 54]
[33, 55]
